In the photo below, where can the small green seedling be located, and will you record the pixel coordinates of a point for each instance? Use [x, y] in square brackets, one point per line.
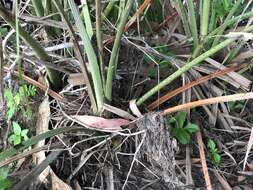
[181, 131]
[18, 134]
[5, 183]
[19, 100]
[213, 152]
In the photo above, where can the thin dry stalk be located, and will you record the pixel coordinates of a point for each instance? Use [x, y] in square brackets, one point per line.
[137, 14]
[203, 161]
[222, 181]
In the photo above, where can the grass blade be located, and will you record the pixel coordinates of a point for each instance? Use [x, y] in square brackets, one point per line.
[79, 55]
[100, 40]
[87, 19]
[38, 7]
[204, 18]
[93, 64]
[192, 20]
[184, 19]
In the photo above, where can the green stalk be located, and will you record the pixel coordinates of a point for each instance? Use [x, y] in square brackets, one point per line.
[229, 16]
[113, 59]
[187, 67]
[204, 20]
[39, 51]
[213, 20]
[38, 7]
[122, 4]
[192, 18]
[184, 18]
[92, 59]
[100, 40]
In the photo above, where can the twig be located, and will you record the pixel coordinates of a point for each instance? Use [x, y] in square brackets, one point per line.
[203, 161]
[134, 159]
[137, 13]
[235, 97]
[222, 181]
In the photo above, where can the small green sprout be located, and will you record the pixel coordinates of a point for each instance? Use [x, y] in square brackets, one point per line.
[18, 134]
[19, 100]
[181, 131]
[213, 152]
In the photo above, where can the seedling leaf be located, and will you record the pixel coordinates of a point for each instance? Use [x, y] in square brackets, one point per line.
[16, 128]
[192, 128]
[211, 145]
[181, 119]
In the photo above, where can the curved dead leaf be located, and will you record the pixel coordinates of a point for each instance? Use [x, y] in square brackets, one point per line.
[99, 122]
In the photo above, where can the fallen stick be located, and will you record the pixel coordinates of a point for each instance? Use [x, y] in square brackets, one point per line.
[219, 99]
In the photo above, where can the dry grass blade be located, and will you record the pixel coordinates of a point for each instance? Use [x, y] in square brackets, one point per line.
[137, 13]
[244, 82]
[28, 153]
[223, 182]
